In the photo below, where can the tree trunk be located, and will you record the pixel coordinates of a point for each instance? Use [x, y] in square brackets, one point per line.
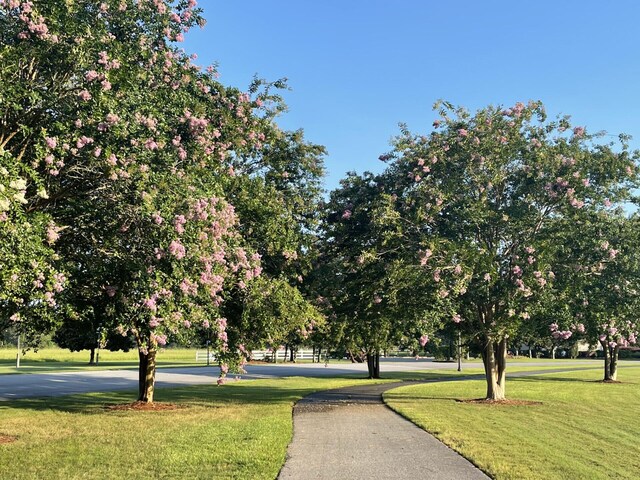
[613, 369]
[607, 360]
[286, 351]
[494, 358]
[146, 376]
[313, 355]
[376, 369]
[610, 361]
[373, 364]
[92, 356]
[292, 354]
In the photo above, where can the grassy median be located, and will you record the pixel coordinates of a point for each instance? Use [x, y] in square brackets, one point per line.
[582, 429]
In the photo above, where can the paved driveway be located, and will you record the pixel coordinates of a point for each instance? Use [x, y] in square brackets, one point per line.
[66, 383]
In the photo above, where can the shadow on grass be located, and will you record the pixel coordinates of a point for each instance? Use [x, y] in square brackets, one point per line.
[254, 392]
[542, 378]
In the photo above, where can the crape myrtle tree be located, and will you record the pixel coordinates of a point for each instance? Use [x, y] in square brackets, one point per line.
[276, 194]
[479, 194]
[119, 143]
[597, 280]
[372, 299]
[30, 278]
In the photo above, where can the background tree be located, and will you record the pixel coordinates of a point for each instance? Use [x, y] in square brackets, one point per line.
[479, 194]
[599, 284]
[370, 300]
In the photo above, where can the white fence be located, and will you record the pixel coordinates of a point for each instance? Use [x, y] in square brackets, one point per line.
[302, 354]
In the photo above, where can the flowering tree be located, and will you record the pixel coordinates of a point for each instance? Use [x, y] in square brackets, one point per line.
[373, 300]
[478, 195]
[276, 194]
[599, 284]
[125, 149]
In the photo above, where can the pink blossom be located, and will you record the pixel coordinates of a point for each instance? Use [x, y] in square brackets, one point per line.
[462, 132]
[346, 215]
[159, 339]
[52, 234]
[150, 303]
[91, 75]
[177, 249]
[425, 257]
[84, 95]
[51, 142]
[424, 339]
[157, 218]
[179, 222]
[103, 58]
[456, 318]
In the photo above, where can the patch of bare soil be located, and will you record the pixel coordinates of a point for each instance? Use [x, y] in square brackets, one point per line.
[500, 403]
[7, 439]
[144, 407]
[608, 381]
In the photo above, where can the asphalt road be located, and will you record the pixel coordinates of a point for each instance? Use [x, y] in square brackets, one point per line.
[67, 383]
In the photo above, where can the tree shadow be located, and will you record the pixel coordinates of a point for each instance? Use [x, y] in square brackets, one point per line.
[242, 392]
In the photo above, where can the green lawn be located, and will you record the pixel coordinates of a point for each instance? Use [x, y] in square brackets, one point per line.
[57, 359]
[583, 429]
[237, 431]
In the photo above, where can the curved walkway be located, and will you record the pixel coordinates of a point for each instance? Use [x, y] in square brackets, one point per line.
[350, 433]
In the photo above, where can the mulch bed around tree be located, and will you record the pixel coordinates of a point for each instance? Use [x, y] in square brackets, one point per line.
[500, 403]
[144, 407]
[7, 439]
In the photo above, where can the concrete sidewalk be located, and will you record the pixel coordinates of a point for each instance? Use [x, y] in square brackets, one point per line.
[349, 433]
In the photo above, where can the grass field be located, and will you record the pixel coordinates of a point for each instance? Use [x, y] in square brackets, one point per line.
[583, 429]
[57, 359]
[236, 431]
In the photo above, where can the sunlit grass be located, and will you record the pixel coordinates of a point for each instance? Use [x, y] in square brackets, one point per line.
[236, 431]
[58, 359]
[583, 429]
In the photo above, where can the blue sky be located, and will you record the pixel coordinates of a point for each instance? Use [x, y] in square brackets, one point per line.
[357, 68]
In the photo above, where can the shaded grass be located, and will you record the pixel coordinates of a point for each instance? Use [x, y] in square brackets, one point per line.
[237, 431]
[583, 429]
